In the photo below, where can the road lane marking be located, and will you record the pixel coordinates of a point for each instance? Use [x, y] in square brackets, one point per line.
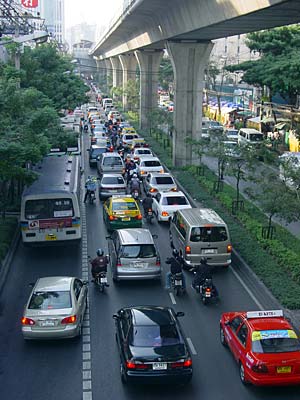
[191, 346]
[259, 305]
[172, 298]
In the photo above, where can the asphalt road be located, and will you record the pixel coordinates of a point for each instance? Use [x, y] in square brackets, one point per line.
[53, 370]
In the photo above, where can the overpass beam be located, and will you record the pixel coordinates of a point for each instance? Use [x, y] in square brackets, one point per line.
[128, 63]
[149, 62]
[189, 61]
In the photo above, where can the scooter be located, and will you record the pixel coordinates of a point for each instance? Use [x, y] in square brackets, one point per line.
[208, 292]
[149, 215]
[100, 281]
[92, 197]
[177, 284]
[135, 194]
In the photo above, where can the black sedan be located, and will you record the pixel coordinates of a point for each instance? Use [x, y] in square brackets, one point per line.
[152, 346]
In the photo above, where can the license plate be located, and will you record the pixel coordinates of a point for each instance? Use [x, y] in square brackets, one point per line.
[160, 366]
[209, 251]
[284, 370]
[139, 265]
[149, 212]
[207, 294]
[47, 323]
[51, 237]
[103, 280]
[126, 219]
[178, 283]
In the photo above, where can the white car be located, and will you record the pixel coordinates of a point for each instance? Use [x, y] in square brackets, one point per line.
[166, 203]
[145, 165]
[139, 152]
[156, 182]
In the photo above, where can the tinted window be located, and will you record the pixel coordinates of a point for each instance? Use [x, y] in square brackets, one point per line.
[128, 137]
[50, 300]
[275, 341]
[98, 151]
[112, 161]
[112, 180]
[174, 201]
[235, 323]
[138, 251]
[151, 163]
[164, 180]
[255, 137]
[142, 151]
[123, 206]
[208, 234]
[155, 336]
[49, 208]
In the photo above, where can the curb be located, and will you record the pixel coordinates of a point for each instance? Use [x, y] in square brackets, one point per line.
[4, 267]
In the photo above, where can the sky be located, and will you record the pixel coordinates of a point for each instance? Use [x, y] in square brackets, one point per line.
[98, 12]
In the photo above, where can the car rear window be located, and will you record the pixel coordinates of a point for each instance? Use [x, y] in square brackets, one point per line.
[275, 341]
[155, 336]
[138, 251]
[50, 300]
[174, 201]
[98, 151]
[124, 206]
[112, 161]
[128, 137]
[112, 180]
[164, 180]
[208, 234]
[142, 151]
[255, 137]
[151, 163]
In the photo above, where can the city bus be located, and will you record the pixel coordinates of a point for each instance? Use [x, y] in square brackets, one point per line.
[50, 210]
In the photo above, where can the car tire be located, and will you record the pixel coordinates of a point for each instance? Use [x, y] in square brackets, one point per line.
[222, 337]
[242, 374]
[123, 374]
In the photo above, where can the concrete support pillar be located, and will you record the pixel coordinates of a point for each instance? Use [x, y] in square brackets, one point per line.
[149, 62]
[128, 63]
[101, 71]
[189, 61]
[116, 71]
[108, 74]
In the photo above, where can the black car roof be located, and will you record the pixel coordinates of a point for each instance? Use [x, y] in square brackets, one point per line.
[151, 315]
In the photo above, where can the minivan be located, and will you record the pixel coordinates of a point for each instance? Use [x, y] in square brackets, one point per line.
[250, 136]
[133, 255]
[110, 163]
[106, 101]
[200, 232]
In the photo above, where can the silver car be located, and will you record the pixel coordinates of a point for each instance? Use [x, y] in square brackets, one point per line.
[156, 182]
[133, 255]
[110, 163]
[55, 308]
[111, 184]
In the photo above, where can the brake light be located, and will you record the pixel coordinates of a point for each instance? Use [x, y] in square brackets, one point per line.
[138, 365]
[152, 190]
[69, 320]
[229, 248]
[165, 214]
[130, 365]
[174, 190]
[112, 218]
[187, 250]
[180, 364]
[208, 289]
[157, 263]
[260, 368]
[188, 363]
[139, 217]
[27, 321]
[119, 264]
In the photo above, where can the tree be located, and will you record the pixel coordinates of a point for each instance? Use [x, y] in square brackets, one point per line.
[132, 92]
[199, 147]
[279, 65]
[166, 74]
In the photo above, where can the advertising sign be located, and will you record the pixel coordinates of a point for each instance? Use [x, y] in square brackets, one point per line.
[30, 3]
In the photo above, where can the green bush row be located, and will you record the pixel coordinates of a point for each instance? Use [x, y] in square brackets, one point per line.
[8, 228]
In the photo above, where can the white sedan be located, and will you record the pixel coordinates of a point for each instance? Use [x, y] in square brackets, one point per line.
[147, 164]
[166, 203]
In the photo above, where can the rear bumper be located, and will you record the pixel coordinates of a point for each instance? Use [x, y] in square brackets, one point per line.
[39, 334]
[134, 276]
[106, 194]
[217, 263]
[160, 377]
[113, 225]
[274, 380]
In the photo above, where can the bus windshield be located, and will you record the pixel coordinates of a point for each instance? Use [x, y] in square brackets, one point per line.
[49, 208]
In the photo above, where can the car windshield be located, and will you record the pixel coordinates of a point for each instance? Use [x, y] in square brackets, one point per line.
[50, 300]
[174, 201]
[164, 180]
[124, 206]
[155, 336]
[138, 251]
[208, 234]
[275, 341]
[256, 137]
[151, 163]
[112, 180]
[111, 161]
[214, 124]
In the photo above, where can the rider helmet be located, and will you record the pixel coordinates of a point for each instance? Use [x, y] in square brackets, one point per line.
[134, 175]
[175, 253]
[100, 252]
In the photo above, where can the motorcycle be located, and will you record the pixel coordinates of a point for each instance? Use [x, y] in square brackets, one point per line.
[100, 281]
[208, 291]
[86, 128]
[92, 197]
[177, 284]
[135, 194]
[149, 215]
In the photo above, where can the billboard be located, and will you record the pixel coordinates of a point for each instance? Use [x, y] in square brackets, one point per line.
[30, 3]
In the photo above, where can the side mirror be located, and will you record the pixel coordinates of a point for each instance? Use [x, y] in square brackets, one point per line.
[116, 316]
[31, 284]
[180, 314]
[87, 149]
[85, 283]
[227, 323]
[108, 237]
[155, 236]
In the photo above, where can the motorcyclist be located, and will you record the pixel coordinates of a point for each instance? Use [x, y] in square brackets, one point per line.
[134, 183]
[147, 203]
[131, 166]
[90, 186]
[203, 271]
[99, 264]
[175, 268]
[85, 126]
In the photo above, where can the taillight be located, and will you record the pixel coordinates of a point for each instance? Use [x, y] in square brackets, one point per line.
[188, 363]
[208, 289]
[229, 248]
[174, 190]
[157, 263]
[119, 264]
[69, 320]
[260, 368]
[180, 364]
[142, 172]
[187, 250]
[136, 365]
[165, 214]
[27, 321]
[153, 190]
[112, 218]
[139, 216]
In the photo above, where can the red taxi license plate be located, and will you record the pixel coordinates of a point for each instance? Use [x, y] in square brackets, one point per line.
[284, 370]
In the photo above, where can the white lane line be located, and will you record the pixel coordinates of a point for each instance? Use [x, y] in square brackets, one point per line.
[259, 305]
[172, 298]
[191, 346]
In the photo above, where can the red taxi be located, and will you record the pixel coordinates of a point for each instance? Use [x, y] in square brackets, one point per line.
[265, 346]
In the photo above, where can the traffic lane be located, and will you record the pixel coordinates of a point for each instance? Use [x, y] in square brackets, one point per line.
[37, 367]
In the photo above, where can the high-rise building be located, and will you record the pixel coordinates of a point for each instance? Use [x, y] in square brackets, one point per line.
[53, 12]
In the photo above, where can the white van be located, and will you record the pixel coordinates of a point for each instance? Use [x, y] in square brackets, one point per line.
[250, 137]
[106, 101]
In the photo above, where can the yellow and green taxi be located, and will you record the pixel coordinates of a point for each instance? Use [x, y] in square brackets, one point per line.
[121, 212]
[128, 129]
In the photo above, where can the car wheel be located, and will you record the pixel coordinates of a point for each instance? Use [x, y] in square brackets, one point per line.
[123, 374]
[222, 337]
[242, 374]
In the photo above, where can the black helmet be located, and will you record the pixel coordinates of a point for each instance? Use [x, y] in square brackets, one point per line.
[203, 260]
[175, 253]
[100, 252]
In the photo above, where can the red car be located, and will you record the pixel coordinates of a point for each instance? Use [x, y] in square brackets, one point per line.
[265, 346]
